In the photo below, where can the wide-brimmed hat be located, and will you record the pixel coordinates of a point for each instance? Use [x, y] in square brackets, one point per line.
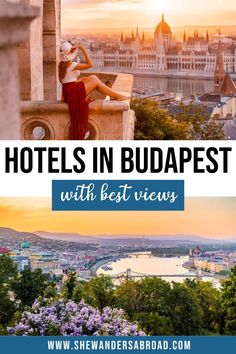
[66, 53]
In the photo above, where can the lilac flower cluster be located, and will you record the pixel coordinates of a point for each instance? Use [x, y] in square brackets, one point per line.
[71, 319]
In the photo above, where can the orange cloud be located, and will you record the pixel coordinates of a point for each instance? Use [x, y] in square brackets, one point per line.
[211, 217]
[146, 13]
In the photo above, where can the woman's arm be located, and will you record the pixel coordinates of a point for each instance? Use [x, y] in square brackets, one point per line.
[88, 63]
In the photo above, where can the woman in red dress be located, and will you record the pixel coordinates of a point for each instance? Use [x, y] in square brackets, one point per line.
[75, 90]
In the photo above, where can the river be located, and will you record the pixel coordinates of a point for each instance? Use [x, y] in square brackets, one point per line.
[153, 266]
[181, 87]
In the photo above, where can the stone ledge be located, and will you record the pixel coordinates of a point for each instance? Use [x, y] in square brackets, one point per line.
[52, 121]
[108, 119]
[59, 106]
[15, 10]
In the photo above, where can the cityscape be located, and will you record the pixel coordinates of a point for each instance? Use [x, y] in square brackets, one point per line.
[197, 67]
[195, 55]
[86, 255]
[61, 268]
[120, 273]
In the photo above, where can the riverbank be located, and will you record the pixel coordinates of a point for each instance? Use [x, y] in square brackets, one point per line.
[168, 75]
[172, 76]
[203, 273]
[103, 262]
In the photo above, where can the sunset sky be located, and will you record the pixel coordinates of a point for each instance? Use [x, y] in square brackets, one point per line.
[211, 217]
[85, 14]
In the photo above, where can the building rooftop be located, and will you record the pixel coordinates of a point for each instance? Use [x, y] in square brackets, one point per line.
[25, 245]
[163, 27]
[228, 86]
[210, 97]
[4, 250]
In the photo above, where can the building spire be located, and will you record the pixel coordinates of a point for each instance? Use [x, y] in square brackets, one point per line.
[132, 34]
[219, 68]
[163, 17]
[184, 38]
[160, 47]
[122, 37]
[207, 36]
[196, 33]
[143, 36]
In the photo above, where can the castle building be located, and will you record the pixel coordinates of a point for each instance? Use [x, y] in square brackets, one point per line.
[193, 56]
[219, 69]
[191, 258]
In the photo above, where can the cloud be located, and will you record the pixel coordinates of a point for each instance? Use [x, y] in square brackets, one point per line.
[100, 14]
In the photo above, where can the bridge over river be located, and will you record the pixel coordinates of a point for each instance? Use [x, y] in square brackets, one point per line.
[139, 254]
[129, 274]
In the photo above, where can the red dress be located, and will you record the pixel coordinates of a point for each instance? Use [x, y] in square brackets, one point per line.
[74, 94]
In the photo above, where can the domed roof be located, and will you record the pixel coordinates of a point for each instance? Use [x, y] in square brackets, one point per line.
[163, 27]
[25, 245]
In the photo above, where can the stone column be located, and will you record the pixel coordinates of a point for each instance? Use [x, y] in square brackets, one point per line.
[15, 20]
[31, 58]
[51, 44]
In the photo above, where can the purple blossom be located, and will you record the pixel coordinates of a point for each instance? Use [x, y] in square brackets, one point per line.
[71, 319]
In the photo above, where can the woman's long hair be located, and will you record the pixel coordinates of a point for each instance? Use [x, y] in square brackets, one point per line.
[62, 68]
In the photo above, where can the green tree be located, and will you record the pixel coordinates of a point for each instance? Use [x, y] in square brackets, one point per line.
[188, 122]
[128, 297]
[183, 311]
[69, 286]
[80, 290]
[29, 285]
[202, 126]
[99, 292]
[147, 296]
[208, 300]
[154, 324]
[229, 303]
[7, 307]
[154, 292]
[145, 302]
[8, 269]
[154, 123]
[51, 291]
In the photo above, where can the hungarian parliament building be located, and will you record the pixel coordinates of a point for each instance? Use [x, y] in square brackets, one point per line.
[163, 55]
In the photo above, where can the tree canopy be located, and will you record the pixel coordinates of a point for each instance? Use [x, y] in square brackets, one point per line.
[188, 122]
[193, 307]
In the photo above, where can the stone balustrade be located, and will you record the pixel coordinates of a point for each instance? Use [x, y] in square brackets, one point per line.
[108, 120]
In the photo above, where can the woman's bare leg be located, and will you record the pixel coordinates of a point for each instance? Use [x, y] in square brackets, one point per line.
[92, 83]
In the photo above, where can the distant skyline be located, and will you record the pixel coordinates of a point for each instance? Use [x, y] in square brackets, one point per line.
[90, 14]
[207, 217]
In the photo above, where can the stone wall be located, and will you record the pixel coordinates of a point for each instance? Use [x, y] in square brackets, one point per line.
[108, 120]
[15, 20]
[51, 121]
